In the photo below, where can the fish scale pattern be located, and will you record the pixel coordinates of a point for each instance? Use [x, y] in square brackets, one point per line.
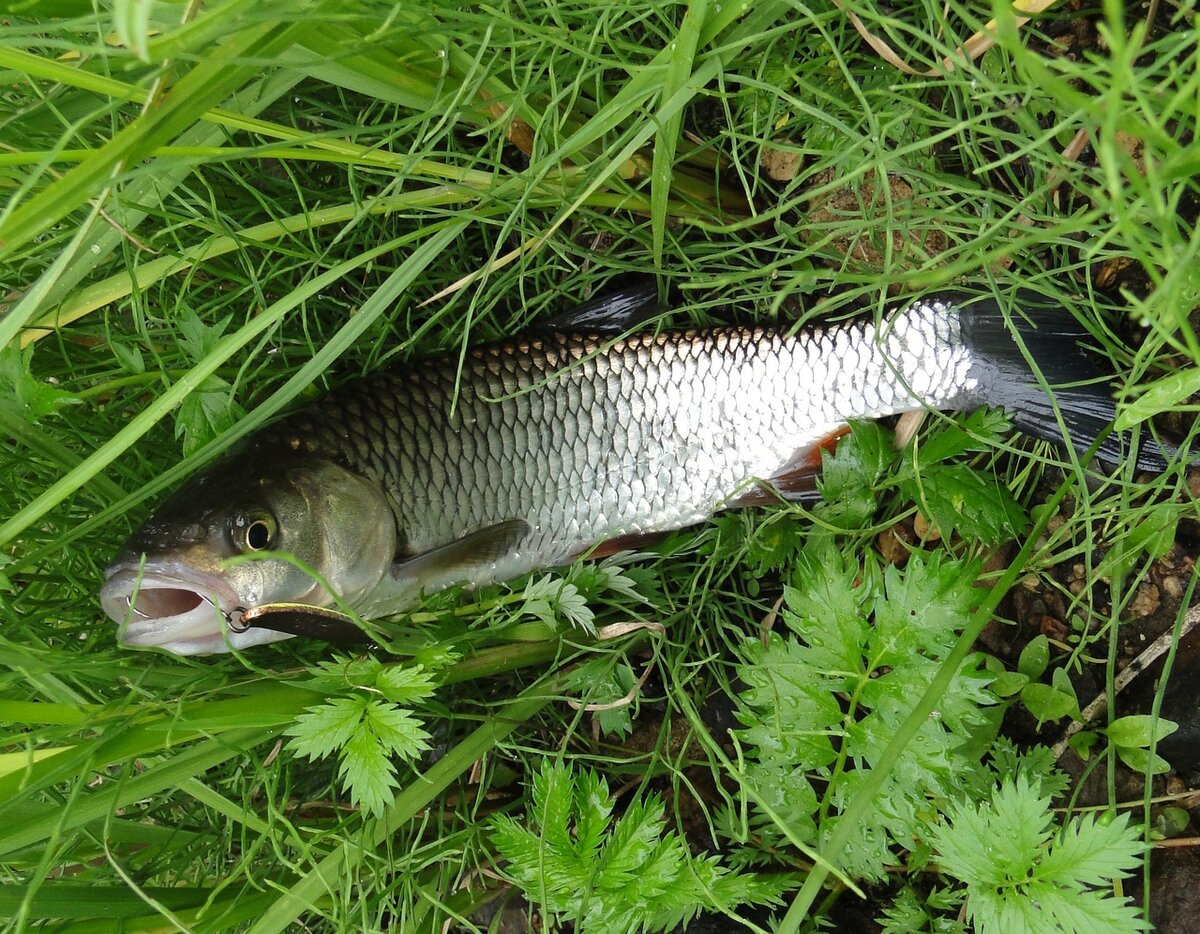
[588, 439]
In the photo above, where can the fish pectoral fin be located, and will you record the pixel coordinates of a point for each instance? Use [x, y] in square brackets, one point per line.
[614, 311]
[796, 481]
[467, 559]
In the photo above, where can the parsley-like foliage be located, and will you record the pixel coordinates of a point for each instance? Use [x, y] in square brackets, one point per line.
[577, 862]
[822, 703]
[1021, 876]
[366, 726]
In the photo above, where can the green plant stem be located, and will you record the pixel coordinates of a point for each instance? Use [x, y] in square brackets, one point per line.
[870, 787]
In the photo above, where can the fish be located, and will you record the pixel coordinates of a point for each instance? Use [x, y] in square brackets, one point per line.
[584, 438]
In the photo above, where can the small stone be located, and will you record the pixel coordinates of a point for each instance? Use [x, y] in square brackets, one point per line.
[893, 544]
[1172, 587]
[780, 163]
[996, 560]
[1145, 601]
[1052, 628]
[925, 531]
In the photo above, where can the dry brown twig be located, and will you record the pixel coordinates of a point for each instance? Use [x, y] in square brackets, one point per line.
[975, 46]
[612, 632]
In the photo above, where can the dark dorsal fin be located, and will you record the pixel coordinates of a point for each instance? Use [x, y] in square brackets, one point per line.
[614, 311]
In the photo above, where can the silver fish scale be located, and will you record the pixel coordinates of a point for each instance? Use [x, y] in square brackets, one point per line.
[588, 440]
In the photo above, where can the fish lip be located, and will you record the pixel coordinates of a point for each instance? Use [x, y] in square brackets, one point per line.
[199, 628]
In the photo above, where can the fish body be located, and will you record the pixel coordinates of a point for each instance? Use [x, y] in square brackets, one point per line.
[588, 440]
[536, 450]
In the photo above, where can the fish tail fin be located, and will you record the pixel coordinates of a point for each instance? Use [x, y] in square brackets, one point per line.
[1039, 345]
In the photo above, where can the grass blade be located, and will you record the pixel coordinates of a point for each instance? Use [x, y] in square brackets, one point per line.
[662, 171]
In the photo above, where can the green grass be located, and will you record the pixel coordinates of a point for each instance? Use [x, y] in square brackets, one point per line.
[212, 212]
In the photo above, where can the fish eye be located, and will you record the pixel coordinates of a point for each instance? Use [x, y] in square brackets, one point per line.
[253, 533]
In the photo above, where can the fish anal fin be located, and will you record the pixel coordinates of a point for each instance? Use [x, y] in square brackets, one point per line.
[618, 543]
[796, 481]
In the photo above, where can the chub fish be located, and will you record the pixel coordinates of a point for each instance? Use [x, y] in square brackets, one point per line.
[568, 442]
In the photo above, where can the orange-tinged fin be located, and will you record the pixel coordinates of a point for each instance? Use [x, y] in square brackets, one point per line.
[796, 481]
[634, 542]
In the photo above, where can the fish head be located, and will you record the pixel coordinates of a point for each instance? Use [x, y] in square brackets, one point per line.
[175, 584]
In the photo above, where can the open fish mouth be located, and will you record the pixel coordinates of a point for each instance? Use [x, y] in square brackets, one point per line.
[178, 609]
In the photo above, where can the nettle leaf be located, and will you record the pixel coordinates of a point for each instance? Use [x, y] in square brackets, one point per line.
[206, 412]
[628, 874]
[979, 430]
[850, 474]
[1021, 876]
[957, 498]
